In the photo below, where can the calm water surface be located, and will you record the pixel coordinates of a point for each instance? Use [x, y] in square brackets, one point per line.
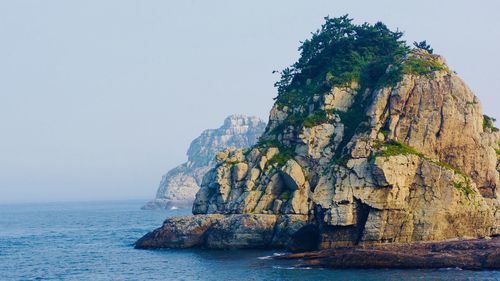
[93, 241]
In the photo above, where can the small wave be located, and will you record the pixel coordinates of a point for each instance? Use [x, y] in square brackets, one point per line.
[451, 268]
[291, 267]
[270, 257]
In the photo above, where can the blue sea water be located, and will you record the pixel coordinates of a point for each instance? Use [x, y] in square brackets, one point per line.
[94, 241]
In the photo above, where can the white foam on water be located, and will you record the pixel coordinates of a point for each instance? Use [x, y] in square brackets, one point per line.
[269, 257]
[291, 267]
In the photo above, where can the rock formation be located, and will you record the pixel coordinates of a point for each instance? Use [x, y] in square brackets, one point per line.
[390, 161]
[179, 186]
[480, 254]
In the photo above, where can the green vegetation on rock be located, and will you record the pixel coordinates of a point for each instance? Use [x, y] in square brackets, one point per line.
[465, 187]
[385, 132]
[392, 148]
[343, 54]
[450, 167]
[422, 64]
[423, 46]
[489, 123]
[319, 117]
[284, 153]
[281, 158]
[337, 55]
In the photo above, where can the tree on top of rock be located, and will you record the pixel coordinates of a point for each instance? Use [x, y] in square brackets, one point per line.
[338, 54]
[424, 46]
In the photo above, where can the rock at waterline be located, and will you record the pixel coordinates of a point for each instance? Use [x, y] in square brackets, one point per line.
[365, 163]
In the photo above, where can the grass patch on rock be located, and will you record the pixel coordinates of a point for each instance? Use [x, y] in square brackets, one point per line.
[317, 118]
[393, 148]
[464, 187]
[281, 158]
[284, 153]
[422, 64]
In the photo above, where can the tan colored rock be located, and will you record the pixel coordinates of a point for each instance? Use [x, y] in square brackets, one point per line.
[222, 155]
[240, 171]
[293, 175]
[419, 166]
[340, 215]
[324, 192]
[271, 152]
[339, 98]
[316, 139]
[254, 174]
[299, 202]
[443, 119]
[262, 163]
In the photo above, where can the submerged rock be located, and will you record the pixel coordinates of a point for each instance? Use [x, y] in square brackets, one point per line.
[179, 186]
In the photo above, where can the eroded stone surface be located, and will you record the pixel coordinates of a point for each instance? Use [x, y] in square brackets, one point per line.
[222, 232]
[348, 186]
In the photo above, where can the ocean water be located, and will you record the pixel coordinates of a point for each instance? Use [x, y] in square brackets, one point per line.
[94, 241]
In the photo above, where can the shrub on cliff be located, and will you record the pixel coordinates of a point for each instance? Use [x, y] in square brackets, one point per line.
[489, 123]
[424, 46]
[343, 54]
[338, 54]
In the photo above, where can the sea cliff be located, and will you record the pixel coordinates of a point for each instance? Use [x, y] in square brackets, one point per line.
[369, 142]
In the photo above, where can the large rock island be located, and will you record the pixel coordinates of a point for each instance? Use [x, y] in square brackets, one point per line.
[369, 142]
[179, 186]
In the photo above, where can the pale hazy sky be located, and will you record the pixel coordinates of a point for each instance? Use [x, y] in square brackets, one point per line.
[99, 98]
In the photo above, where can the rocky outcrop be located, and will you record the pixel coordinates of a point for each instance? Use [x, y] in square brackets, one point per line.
[361, 163]
[179, 186]
[481, 254]
[218, 231]
[420, 167]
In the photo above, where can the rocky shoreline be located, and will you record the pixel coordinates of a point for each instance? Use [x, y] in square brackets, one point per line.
[477, 254]
[372, 163]
[215, 231]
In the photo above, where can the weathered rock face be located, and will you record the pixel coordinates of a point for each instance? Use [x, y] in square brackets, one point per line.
[404, 163]
[222, 232]
[179, 186]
